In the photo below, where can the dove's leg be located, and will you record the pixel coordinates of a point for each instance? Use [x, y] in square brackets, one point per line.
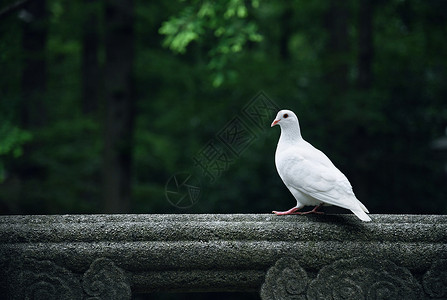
[313, 211]
[292, 211]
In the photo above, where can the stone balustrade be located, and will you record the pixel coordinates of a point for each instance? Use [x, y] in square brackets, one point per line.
[281, 257]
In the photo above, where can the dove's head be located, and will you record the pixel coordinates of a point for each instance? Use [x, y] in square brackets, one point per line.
[285, 118]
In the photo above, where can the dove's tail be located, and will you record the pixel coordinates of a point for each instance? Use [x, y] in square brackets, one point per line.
[363, 207]
[361, 214]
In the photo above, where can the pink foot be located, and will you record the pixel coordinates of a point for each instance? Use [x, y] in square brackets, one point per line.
[314, 211]
[292, 211]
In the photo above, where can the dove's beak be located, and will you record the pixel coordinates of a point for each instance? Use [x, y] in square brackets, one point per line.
[274, 123]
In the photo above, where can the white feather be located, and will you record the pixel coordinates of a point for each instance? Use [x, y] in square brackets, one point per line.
[308, 173]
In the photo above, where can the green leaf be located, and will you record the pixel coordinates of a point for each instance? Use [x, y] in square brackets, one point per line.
[218, 80]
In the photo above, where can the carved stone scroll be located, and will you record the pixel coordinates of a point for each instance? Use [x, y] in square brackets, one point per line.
[435, 280]
[285, 280]
[364, 278]
[33, 279]
[104, 280]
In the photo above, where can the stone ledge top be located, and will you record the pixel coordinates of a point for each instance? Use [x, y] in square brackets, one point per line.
[221, 227]
[143, 218]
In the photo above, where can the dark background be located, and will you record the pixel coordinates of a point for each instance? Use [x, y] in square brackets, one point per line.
[101, 102]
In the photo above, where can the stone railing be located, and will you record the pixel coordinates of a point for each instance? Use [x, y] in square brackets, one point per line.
[286, 257]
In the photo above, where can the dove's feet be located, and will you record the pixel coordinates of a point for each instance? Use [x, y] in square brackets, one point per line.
[314, 211]
[293, 211]
[311, 212]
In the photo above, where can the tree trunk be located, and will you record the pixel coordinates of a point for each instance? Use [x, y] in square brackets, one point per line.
[338, 46]
[286, 31]
[90, 63]
[34, 73]
[366, 47]
[119, 96]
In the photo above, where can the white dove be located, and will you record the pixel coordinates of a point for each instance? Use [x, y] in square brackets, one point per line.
[309, 174]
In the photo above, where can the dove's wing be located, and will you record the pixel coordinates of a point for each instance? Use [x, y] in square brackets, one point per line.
[311, 172]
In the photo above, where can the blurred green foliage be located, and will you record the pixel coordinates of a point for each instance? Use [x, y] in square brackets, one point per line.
[222, 26]
[11, 147]
[196, 64]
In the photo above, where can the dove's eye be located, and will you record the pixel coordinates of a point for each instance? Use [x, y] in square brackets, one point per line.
[285, 116]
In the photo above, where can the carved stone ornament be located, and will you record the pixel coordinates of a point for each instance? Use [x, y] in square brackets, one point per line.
[104, 280]
[435, 280]
[34, 279]
[356, 278]
[285, 280]
[364, 278]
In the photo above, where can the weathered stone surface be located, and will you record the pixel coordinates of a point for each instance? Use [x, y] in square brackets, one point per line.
[356, 278]
[285, 280]
[104, 280]
[364, 278]
[435, 280]
[144, 253]
[34, 279]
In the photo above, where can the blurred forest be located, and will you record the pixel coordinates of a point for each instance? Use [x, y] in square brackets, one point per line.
[103, 101]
